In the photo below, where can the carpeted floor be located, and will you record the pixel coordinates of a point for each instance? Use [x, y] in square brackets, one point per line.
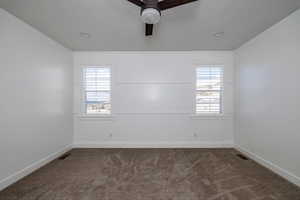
[152, 174]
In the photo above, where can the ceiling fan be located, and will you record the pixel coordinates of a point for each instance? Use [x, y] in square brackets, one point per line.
[151, 10]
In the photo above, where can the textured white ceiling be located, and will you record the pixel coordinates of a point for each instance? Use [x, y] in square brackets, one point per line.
[115, 24]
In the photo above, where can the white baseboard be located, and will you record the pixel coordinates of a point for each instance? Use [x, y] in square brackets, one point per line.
[275, 168]
[31, 168]
[185, 144]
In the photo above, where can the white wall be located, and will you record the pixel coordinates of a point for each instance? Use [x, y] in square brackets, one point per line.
[153, 101]
[36, 98]
[268, 97]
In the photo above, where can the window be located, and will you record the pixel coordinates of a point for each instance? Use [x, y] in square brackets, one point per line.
[209, 90]
[97, 92]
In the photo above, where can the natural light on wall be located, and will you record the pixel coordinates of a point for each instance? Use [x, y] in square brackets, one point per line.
[97, 90]
[209, 90]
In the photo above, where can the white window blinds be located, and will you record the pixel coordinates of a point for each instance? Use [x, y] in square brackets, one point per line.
[209, 90]
[97, 90]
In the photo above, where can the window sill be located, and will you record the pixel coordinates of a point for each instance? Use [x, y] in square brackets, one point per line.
[211, 117]
[96, 117]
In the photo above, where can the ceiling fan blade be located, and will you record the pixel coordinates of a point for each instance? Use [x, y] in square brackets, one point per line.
[137, 2]
[149, 29]
[167, 4]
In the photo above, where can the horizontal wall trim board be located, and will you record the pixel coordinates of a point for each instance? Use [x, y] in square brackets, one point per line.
[154, 83]
[159, 83]
[189, 115]
[184, 144]
[31, 168]
[153, 113]
[278, 170]
[193, 52]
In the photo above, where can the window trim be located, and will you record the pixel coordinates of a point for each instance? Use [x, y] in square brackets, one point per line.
[84, 114]
[222, 105]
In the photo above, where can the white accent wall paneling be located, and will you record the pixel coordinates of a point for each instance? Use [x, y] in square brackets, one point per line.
[153, 101]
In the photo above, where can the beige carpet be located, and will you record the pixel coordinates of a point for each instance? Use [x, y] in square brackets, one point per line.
[152, 174]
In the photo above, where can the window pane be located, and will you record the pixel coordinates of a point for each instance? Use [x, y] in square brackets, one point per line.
[208, 108]
[204, 97]
[97, 79]
[97, 90]
[209, 88]
[209, 78]
[101, 97]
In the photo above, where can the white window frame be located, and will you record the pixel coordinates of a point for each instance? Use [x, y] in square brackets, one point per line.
[84, 113]
[222, 105]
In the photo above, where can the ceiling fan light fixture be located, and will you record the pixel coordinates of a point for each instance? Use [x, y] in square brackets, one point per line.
[150, 16]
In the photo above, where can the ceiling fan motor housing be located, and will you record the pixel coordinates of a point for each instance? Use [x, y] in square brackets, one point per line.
[150, 12]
